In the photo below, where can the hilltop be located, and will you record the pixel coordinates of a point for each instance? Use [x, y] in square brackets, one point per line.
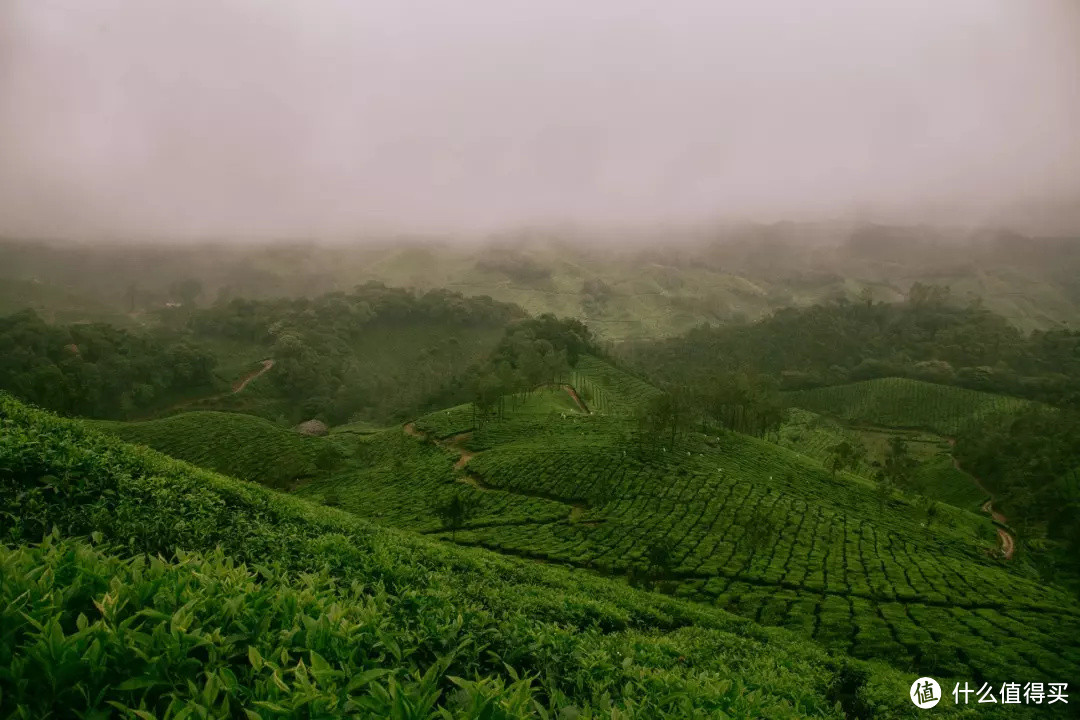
[625, 285]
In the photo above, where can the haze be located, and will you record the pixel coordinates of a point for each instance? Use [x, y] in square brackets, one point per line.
[209, 119]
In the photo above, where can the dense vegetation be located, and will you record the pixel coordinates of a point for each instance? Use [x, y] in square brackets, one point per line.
[639, 284]
[374, 352]
[798, 472]
[933, 472]
[1031, 461]
[925, 338]
[725, 520]
[242, 446]
[268, 603]
[900, 402]
[98, 370]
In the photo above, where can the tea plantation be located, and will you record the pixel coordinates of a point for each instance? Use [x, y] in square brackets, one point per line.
[163, 590]
[749, 526]
[814, 435]
[243, 446]
[785, 590]
[904, 403]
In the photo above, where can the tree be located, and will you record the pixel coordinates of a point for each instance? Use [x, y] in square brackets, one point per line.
[928, 296]
[661, 558]
[327, 458]
[187, 290]
[455, 512]
[487, 390]
[929, 509]
[845, 455]
[759, 530]
[899, 466]
[883, 491]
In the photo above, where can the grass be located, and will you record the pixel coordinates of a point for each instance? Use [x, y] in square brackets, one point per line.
[164, 589]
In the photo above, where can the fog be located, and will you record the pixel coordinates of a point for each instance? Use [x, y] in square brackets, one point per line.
[191, 118]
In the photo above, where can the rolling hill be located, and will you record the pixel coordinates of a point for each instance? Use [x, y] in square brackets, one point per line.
[160, 588]
[243, 446]
[721, 523]
[859, 574]
[904, 403]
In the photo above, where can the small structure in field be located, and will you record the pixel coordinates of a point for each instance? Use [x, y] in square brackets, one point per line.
[312, 427]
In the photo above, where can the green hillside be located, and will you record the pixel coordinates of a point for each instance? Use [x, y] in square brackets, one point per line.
[606, 389]
[243, 446]
[904, 403]
[814, 435]
[259, 601]
[746, 525]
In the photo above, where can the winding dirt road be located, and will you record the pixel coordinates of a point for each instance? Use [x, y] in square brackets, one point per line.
[237, 386]
[1008, 542]
[242, 382]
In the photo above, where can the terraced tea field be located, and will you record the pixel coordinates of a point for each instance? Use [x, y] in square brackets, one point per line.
[904, 403]
[250, 598]
[834, 563]
[607, 389]
[750, 526]
[242, 446]
[813, 435]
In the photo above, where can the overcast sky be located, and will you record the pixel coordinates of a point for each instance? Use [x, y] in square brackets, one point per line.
[326, 117]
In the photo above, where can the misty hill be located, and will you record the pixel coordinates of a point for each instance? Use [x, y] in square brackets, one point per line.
[625, 285]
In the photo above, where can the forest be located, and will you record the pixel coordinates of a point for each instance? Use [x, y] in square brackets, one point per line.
[927, 336]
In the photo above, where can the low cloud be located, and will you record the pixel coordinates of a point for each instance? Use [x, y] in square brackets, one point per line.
[338, 118]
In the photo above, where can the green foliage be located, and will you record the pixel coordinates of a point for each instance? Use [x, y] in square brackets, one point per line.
[376, 352]
[403, 480]
[761, 531]
[456, 511]
[265, 602]
[936, 476]
[899, 466]
[846, 454]
[608, 389]
[902, 403]
[1031, 462]
[926, 338]
[239, 445]
[98, 370]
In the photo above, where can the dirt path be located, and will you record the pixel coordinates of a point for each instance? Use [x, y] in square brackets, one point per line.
[456, 445]
[1008, 542]
[237, 386]
[576, 398]
[240, 384]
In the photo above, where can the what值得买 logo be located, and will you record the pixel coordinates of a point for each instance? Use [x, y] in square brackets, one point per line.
[925, 693]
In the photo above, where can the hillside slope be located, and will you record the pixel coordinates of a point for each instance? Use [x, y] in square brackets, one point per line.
[740, 523]
[905, 403]
[243, 446]
[305, 610]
